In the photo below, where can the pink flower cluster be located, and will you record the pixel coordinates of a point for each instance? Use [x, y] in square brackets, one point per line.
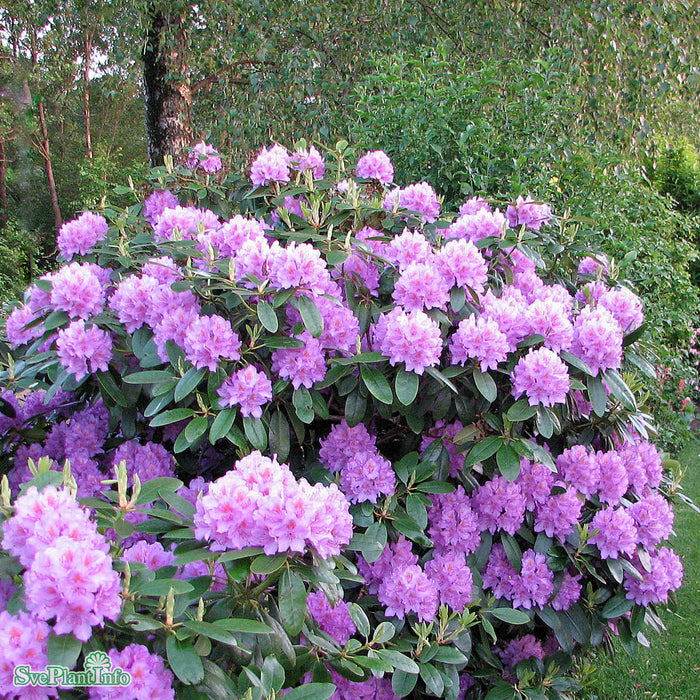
[260, 504]
[376, 165]
[334, 619]
[204, 156]
[80, 235]
[69, 573]
[248, 388]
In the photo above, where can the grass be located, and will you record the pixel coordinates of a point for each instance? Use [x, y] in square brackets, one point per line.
[670, 669]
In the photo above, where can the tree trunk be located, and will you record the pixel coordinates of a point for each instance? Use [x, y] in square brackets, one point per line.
[167, 94]
[46, 153]
[4, 211]
[86, 91]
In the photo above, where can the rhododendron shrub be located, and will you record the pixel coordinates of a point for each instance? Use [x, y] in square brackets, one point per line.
[300, 431]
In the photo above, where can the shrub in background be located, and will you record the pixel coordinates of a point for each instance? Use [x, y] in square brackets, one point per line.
[361, 447]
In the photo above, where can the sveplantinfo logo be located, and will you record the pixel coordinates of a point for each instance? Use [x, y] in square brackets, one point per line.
[97, 670]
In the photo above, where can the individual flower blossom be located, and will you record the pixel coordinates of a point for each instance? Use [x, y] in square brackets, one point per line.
[542, 376]
[473, 206]
[569, 592]
[446, 433]
[419, 198]
[78, 347]
[270, 165]
[454, 522]
[396, 555]
[298, 265]
[617, 533]
[461, 260]
[260, 504]
[595, 266]
[550, 320]
[421, 286]
[558, 515]
[520, 649]
[366, 476]
[342, 443]
[528, 213]
[666, 575]
[150, 679]
[248, 388]
[204, 156]
[308, 159]
[302, 366]
[409, 590]
[579, 467]
[481, 339]
[408, 247]
[500, 505]
[132, 301]
[16, 327]
[156, 203]
[653, 517]
[375, 165]
[535, 584]
[76, 290]
[452, 578]
[625, 306]
[153, 556]
[613, 477]
[208, 340]
[477, 226]
[80, 235]
[597, 339]
[149, 461]
[184, 223]
[412, 338]
[334, 620]
[536, 482]
[23, 642]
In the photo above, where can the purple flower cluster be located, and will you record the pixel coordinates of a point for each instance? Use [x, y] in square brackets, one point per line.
[500, 505]
[376, 165]
[542, 376]
[77, 290]
[454, 525]
[528, 213]
[248, 388]
[150, 679]
[308, 159]
[156, 203]
[409, 590]
[519, 649]
[80, 235]
[666, 575]
[271, 165]
[204, 156]
[152, 555]
[82, 350]
[149, 461]
[334, 619]
[260, 504]
[419, 197]
[479, 338]
[452, 578]
[208, 339]
[69, 572]
[303, 366]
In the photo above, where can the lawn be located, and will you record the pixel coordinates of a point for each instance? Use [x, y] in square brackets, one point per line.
[670, 670]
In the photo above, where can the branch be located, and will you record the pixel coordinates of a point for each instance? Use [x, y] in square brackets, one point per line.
[209, 80]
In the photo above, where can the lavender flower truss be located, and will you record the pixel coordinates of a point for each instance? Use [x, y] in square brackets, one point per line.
[324, 433]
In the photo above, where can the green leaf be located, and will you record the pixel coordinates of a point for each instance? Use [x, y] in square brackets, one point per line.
[244, 625]
[520, 411]
[310, 315]
[109, 388]
[255, 432]
[440, 377]
[432, 679]
[359, 617]
[279, 436]
[303, 404]
[161, 586]
[63, 650]
[409, 527]
[174, 415]
[617, 606]
[222, 424]
[355, 407]
[377, 384]
[597, 395]
[265, 564]
[398, 660]
[576, 362]
[184, 660]
[486, 386]
[450, 655]
[512, 617]
[196, 428]
[211, 630]
[403, 683]
[56, 319]
[292, 601]
[406, 386]
[189, 382]
[634, 336]
[267, 316]
[154, 376]
[619, 389]
[434, 487]
[508, 461]
[385, 632]
[311, 691]
[512, 550]
[483, 450]
[502, 691]
[276, 342]
[545, 422]
[416, 510]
